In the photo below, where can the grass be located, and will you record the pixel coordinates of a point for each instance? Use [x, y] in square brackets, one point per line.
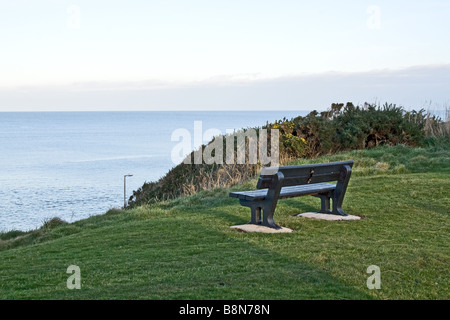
[185, 249]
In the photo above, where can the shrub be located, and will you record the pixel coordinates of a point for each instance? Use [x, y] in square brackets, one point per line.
[11, 234]
[341, 128]
[53, 223]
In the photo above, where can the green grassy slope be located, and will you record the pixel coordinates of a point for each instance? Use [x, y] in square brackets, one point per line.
[185, 249]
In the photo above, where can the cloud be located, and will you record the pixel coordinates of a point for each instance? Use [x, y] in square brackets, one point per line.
[409, 87]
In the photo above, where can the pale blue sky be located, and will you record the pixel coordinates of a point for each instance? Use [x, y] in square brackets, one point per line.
[51, 50]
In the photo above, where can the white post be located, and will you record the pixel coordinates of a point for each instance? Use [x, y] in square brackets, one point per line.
[125, 189]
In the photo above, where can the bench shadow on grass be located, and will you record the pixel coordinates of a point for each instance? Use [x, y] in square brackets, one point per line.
[292, 206]
[213, 264]
[261, 273]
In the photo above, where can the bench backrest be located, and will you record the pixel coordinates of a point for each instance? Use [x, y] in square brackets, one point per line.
[305, 174]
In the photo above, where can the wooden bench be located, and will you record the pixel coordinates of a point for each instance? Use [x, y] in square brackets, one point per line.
[293, 181]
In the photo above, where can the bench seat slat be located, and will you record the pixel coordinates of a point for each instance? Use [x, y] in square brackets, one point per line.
[304, 190]
[286, 192]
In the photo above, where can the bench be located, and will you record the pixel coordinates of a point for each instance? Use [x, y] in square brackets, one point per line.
[276, 183]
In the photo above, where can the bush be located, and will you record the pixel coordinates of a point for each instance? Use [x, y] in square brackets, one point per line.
[341, 128]
[11, 234]
[52, 223]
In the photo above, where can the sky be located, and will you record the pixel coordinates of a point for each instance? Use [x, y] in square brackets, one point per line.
[58, 55]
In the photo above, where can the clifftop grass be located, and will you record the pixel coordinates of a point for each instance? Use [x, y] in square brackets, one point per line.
[184, 248]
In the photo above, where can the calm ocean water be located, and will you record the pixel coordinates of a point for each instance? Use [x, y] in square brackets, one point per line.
[71, 164]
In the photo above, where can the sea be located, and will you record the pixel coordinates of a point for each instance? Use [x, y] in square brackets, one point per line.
[71, 165]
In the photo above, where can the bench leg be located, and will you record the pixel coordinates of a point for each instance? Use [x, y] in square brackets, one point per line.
[337, 207]
[256, 215]
[267, 205]
[341, 187]
[324, 203]
[255, 209]
[267, 214]
[268, 221]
